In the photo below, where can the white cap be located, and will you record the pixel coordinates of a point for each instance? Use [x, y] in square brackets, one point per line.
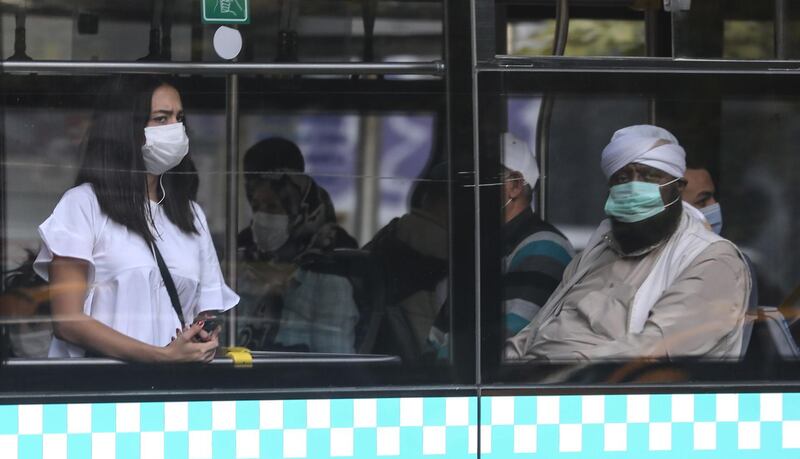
[517, 156]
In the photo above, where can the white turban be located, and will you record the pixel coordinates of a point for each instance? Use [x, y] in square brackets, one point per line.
[634, 144]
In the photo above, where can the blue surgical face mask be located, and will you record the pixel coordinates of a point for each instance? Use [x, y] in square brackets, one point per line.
[636, 201]
[713, 214]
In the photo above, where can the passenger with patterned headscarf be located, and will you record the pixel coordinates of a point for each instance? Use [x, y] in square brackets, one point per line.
[286, 303]
[653, 281]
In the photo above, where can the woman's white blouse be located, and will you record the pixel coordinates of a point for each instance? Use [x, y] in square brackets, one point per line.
[126, 291]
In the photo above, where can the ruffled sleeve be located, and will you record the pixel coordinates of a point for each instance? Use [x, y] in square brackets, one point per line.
[214, 293]
[70, 231]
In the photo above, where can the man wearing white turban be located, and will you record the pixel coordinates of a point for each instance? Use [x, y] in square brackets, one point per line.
[653, 281]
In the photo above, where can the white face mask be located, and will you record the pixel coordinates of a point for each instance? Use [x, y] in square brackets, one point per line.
[270, 231]
[164, 147]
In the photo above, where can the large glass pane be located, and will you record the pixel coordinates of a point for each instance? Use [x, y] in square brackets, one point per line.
[548, 320]
[341, 263]
[342, 236]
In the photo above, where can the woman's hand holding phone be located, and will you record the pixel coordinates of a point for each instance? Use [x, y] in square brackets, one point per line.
[209, 324]
[187, 346]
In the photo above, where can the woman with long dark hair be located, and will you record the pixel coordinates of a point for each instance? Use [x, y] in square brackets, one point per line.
[127, 251]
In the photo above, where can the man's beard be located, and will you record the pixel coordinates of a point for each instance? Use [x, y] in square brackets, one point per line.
[633, 237]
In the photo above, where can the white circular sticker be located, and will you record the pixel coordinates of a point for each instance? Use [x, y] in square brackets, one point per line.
[227, 42]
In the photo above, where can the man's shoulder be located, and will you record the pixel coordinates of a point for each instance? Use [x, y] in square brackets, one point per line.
[535, 224]
[544, 242]
[540, 230]
[543, 234]
[722, 248]
[722, 252]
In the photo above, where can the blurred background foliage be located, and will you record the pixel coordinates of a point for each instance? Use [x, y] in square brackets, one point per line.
[748, 40]
[742, 39]
[586, 38]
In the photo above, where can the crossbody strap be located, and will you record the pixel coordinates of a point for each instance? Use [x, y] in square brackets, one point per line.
[168, 282]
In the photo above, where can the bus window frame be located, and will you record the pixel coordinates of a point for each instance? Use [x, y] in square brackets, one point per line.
[19, 376]
[504, 77]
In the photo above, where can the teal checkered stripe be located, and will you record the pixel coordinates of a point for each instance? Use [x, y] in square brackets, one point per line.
[385, 427]
[685, 425]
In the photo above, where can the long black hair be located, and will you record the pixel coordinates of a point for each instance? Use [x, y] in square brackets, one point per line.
[113, 164]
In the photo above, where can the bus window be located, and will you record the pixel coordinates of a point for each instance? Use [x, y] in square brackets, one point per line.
[317, 197]
[715, 138]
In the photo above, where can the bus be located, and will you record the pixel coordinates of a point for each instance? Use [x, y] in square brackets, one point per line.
[399, 110]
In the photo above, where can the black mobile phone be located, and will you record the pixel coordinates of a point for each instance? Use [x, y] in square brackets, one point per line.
[210, 325]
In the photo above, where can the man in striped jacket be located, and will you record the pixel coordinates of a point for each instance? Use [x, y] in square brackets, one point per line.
[535, 253]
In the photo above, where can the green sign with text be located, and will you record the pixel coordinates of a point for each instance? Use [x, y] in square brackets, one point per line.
[226, 11]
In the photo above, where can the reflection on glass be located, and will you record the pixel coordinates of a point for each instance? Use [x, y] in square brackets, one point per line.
[412, 252]
[25, 305]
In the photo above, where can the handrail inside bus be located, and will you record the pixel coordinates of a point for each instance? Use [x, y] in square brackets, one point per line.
[260, 358]
[434, 68]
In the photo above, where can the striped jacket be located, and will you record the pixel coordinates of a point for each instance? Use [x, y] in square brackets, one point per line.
[535, 254]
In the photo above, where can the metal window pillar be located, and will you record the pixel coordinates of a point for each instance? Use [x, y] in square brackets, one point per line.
[781, 28]
[231, 192]
[368, 198]
[460, 145]
[3, 181]
[787, 29]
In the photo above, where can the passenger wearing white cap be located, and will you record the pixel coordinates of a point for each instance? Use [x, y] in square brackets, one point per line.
[653, 281]
[535, 253]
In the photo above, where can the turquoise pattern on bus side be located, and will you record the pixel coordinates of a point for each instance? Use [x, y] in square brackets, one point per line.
[598, 426]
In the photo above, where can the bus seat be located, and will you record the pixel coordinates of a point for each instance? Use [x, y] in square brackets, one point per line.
[751, 314]
[778, 329]
[747, 330]
[397, 336]
[365, 275]
[771, 341]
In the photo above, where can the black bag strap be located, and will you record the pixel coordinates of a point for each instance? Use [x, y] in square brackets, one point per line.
[168, 282]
